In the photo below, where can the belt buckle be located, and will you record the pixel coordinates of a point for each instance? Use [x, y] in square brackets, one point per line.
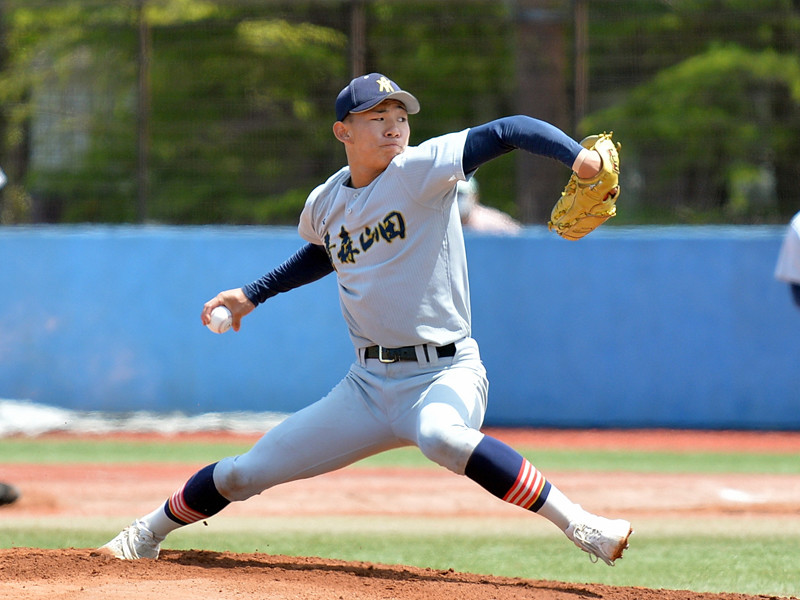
[385, 361]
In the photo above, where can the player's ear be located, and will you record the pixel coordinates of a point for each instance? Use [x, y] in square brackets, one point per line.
[341, 131]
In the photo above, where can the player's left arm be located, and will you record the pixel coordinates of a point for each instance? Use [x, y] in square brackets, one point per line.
[590, 196]
[520, 132]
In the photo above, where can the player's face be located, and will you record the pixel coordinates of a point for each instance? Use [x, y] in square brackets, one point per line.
[378, 135]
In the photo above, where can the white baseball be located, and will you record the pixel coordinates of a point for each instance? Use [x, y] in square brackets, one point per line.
[221, 319]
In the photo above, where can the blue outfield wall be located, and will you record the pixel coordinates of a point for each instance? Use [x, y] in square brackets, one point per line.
[633, 327]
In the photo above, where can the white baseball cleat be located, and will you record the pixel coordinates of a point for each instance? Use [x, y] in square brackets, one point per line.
[602, 538]
[134, 542]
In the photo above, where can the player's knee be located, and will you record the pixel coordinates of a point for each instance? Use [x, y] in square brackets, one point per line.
[449, 446]
[232, 480]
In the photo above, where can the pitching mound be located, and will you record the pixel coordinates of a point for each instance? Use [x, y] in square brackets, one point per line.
[74, 573]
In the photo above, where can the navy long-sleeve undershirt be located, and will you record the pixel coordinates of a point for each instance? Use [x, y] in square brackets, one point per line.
[307, 265]
[501, 136]
[483, 143]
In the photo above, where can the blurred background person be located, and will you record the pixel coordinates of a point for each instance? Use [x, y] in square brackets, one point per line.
[477, 217]
[8, 494]
[788, 267]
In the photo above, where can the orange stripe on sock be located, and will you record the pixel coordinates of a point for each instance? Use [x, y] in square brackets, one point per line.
[179, 508]
[527, 487]
[534, 492]
[519, 484]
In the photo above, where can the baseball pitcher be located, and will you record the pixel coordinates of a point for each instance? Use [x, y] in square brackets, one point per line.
[388, 226]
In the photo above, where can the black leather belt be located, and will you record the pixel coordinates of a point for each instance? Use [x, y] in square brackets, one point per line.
[390, 355]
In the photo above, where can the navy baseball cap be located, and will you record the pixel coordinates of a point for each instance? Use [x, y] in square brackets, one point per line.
[367, 91]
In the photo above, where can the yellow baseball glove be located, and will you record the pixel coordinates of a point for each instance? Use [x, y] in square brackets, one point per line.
[585, 204]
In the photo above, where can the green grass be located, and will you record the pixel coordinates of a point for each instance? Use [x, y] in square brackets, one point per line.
[695, 562]
[721, 559]
[750, 553]
[63, 451]
[55, 451]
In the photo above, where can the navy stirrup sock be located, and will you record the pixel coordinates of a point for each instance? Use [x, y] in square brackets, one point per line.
[197, 499]
[507, 474]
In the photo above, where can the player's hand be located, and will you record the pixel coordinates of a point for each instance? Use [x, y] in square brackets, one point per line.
[589, 201]
[588, 164]
[236, 302]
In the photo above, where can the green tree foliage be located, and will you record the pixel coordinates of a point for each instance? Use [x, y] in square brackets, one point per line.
[51, 83]
[234, 125]
[241, 117]
[238, 104]
[234, 115]
[726, 121]
[712, 136]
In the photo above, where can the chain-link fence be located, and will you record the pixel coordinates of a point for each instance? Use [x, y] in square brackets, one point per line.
[201, 111]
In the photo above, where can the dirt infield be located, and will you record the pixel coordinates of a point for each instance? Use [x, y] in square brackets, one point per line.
[62, 574]
[103, 491]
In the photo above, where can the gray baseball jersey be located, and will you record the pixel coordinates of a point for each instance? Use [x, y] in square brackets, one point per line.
[397, 247]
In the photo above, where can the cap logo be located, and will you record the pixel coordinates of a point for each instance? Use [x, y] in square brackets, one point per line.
[384, 85]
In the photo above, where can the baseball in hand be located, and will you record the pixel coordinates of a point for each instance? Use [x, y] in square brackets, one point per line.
[221, 319]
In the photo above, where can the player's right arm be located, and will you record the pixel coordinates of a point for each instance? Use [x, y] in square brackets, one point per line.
[307, 265]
